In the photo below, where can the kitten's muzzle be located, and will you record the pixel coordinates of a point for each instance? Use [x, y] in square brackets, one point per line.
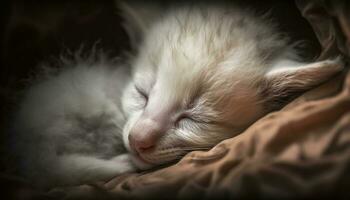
[144, 136]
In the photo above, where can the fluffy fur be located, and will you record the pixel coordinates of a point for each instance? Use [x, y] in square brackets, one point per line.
[68, 128]
[201, 74]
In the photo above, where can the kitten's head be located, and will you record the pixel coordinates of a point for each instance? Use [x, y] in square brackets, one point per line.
[194, 84]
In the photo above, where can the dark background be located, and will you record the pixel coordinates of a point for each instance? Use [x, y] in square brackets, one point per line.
[33, 32]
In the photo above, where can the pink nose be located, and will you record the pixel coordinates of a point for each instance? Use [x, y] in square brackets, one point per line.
[144, 135]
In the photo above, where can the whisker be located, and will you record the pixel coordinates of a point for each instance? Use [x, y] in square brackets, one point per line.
[174, 153]
[195, 148]
[170, 149]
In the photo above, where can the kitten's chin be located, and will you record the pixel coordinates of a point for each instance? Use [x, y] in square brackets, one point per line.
[140, 163]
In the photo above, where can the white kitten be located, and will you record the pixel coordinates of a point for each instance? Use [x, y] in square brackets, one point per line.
[202, 74]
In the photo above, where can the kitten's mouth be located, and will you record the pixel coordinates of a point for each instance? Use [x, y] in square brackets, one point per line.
[146, 161]
[150, 159]
[140, 162]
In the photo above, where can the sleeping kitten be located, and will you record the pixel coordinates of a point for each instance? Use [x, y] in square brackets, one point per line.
[205, 73]
[202, 74]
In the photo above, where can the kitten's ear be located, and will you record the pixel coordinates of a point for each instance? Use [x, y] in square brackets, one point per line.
[138, 17]
[283, 83]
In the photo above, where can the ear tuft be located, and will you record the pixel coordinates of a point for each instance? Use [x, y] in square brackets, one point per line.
[284, 83]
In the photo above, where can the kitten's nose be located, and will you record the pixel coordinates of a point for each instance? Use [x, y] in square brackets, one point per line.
[144, 135]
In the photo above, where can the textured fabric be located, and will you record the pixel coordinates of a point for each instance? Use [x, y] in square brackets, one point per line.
[331, 23]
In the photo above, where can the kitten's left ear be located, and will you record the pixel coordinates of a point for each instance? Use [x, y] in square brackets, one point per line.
[138, 16]
[283, 83]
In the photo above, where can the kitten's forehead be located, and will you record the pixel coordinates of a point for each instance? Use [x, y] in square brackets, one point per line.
[189, 47]
[185, 83]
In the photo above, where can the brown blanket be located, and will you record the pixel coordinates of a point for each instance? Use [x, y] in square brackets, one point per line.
[301, 151]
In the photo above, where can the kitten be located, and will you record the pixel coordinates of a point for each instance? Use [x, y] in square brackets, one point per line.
[201, 74]
[204, 73]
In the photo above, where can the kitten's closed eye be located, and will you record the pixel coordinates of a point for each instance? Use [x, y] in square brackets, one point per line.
[182, 119]
[187, 119]
[143, 94]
